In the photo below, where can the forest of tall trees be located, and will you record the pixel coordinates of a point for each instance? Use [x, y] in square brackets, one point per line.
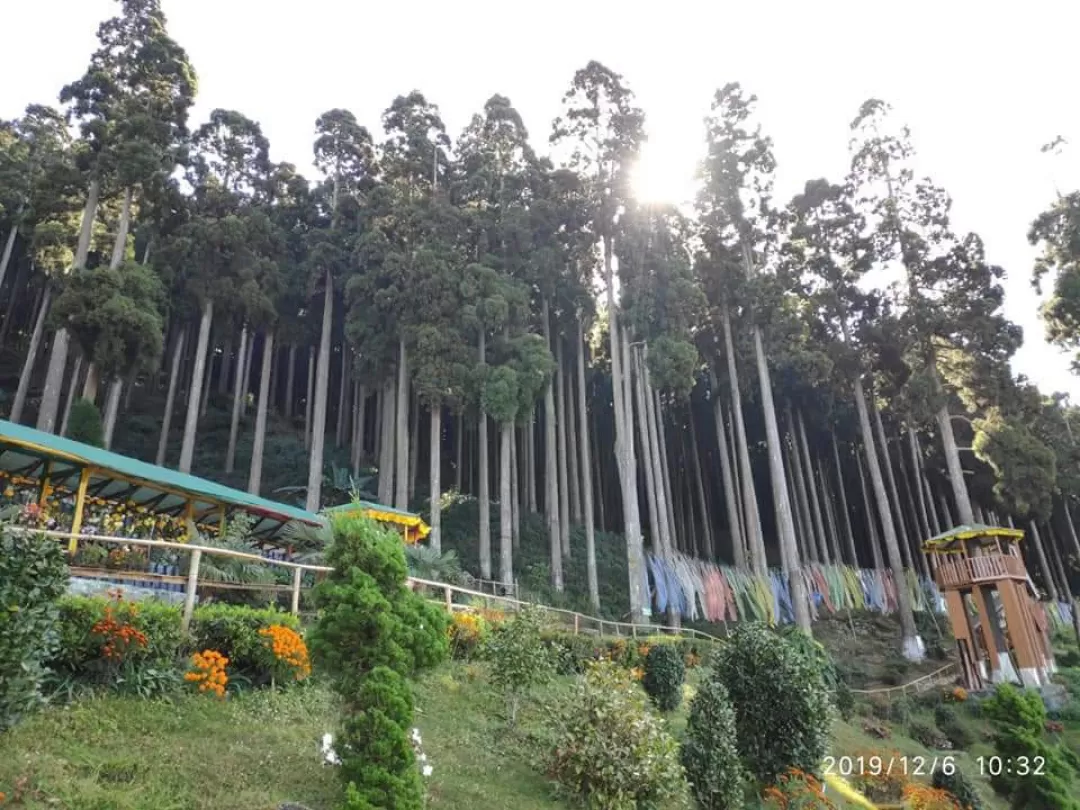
[759, 381]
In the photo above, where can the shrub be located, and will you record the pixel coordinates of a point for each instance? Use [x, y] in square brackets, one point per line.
[796, 790]
[611, 752]
[84, 423]
[781, 702]
[665, 672]
[288, 652]
[948, 721]
[844, 700]
[960, 787]
[709, 754]
[519, 658]
[929, 736]
[236, 632]
[923, 797]
[208, 672]
[33, 577]
[1019, 720]
[372, 633]
[468, 632]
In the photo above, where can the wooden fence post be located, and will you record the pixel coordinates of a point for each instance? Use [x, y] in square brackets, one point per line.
[449, 599]
[192, 587]
[577, 624]
[297, 574]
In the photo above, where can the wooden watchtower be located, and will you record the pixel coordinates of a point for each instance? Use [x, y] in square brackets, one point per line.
[1001, 632]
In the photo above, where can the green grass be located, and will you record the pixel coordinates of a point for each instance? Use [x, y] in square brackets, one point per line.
[254, 751]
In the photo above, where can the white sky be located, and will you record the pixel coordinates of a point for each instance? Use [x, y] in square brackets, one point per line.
[981, 85]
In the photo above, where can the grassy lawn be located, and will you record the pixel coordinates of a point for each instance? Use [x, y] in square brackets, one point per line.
[255, 751]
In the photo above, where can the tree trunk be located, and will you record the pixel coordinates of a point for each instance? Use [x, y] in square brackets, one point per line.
[952, 461]
[572, 443]
[343, 398]
[54, 376]
[93, 380]
[812, 491]
[849, 535]
[360, 430]
[170, 397]
[1072, 526]
[238, 393]
[9, 246]
[731, 502]
[825, 488]
[515, 492]
[255, 475]
[191, 420]
[755, 541]
[890, 481]
[459, 442]
[658, 525]
[401, 449]
[387, 412]
[564, 464]
[1044, 567]
[290, 383]
[530, 464]
[112, 408]
[245, 386]
[802, 499]
[435, 478]
[414, 446]
[598, 478]
[912, 646]
[322, 394]
[658, 438]
[586, 475]
[120, 243]
[506, 509]
[737, 481]
[72, 387]
[871, 518]
[31, 356]
[309, 400]
[551, 477]
[917, 476]
[225, 367]
[483, 491]
[205, 401]
[699, 485]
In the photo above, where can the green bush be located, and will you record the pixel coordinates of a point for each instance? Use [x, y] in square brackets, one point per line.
[372, 633]
[519, 658]
[709, 754]
[33, 576]
[665, 673]
[84, 424]
[1019, 722]
[929, 736]
[960, 788]
[570, 654]
[844, 700]
[610, 751]
[781, 702]
[947, 719]
[233, 630]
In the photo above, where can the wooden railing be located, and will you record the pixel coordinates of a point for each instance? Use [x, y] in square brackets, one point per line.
[944, 675]
[967, 572]
[449, 595]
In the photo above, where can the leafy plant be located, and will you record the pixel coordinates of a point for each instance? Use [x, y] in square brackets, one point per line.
[1019, 720]
[84, 424]
[33, 577]
[709, 754]
[610, 751]
[519, 658]
[665, 672]
[781, 702]
[372, 633]
[960, 787]
[948, 722]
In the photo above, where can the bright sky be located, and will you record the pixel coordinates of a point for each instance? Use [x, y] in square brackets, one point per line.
[981, 85]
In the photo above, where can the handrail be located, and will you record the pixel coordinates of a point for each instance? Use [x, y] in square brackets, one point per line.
[449, 590]
[902, 688]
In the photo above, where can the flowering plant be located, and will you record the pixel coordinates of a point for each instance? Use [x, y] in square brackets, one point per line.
[208, 671]
[119, 636]
[289, 651]
[796, 790]
[958, 694]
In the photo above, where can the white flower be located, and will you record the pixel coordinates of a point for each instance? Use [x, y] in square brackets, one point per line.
[330, 756]
[426, 770]
[422, 757]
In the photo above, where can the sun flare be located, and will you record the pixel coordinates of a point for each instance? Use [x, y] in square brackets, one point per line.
[662, 177]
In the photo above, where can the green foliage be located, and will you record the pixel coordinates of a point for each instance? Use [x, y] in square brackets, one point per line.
[844, 700]
[610, 752]
[84, 424]
[781, 702]
[233, 630]
[948, 721]
[377, 761]
[673, 365]
[33, 576]
[1024, 465]
[372, 633]
[709, 754]
[1019, 721]
[961, 787]
[519, 659]
[665, 673]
